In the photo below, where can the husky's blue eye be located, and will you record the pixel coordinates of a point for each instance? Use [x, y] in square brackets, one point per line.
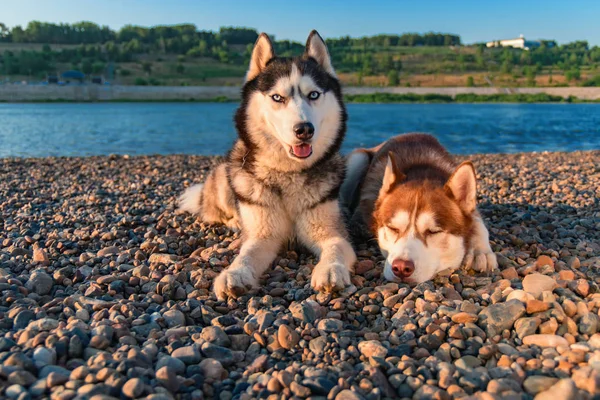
[277, 98]
[314, 95]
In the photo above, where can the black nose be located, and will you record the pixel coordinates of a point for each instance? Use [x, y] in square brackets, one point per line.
[304, 130]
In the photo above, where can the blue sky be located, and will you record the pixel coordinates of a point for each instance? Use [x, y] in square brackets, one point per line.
[474, 21]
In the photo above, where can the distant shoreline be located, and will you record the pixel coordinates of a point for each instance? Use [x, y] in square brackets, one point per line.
[93, 93]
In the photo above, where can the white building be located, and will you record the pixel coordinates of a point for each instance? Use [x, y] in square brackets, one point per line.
[518, 43]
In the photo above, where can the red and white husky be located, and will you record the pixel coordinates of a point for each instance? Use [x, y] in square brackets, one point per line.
[420, 205]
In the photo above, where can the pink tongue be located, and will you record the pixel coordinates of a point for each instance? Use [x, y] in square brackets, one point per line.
[303, 150]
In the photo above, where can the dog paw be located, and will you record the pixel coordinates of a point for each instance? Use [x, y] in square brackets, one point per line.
[481, 260]
[330, 277]
[234, 283]
[233, 224]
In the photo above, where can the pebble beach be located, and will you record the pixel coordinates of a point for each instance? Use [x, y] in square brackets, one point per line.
[105, 292]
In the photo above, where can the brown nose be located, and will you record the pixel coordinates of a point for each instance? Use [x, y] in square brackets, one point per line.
[403, 268]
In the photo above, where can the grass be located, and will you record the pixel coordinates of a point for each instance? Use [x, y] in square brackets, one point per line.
[373, 98]
[462, 98]
[398, 98]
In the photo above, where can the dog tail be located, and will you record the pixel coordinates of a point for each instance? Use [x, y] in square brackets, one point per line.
[357, 165]
[191, 199]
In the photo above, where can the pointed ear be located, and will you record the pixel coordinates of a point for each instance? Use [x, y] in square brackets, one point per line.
[262, 53]
[317, 49]
[392, 175]
[462, 185]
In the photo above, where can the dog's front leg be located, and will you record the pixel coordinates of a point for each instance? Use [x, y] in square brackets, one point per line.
[322, 230]
[480, 257]
[263, 237]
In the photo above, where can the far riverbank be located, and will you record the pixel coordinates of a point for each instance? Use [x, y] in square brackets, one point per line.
[118, 93]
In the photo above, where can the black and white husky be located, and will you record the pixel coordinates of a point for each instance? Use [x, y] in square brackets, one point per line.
[282, 177]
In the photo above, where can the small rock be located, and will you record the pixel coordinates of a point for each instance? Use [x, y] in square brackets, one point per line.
[536, 283]
[133, 388]
[173, 363]
[159, 258]
[23, 319]
[510, 273]
[187, 354]
[215, 335]
[168, 378]
[348, 395]
[564, 389]
[15, 391]
[463, 318]
[317, 345]
[174, 318]
[304, 312]
[44, 324]
[526, 326]
[581, 287]
[544, 260]
[23, 378]
[212, 369]
[40, 283]
[330, 325]
[535, 306]
[468, 362]
[364, 266]
[219, 353]
[500, 316]
[549, 327]
[588, 324]
[56, 379]
[299, 390]
[288, 337]
[44, 355]
[535, 384]
[545, 340]
[40, 256]
[520, 295]
[372, 348]
[108, 251]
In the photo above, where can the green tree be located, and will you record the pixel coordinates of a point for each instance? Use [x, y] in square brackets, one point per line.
[479, 59]
[4, 33]
[470, 81]
[387, 62]
[359, 78]
[180, 69]
[367, 68]
[506, 66]
[462, 62]
[98, 67]
[147, 67]
[87, 67]
[530, 75]
[393, 78]
[573, 74]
